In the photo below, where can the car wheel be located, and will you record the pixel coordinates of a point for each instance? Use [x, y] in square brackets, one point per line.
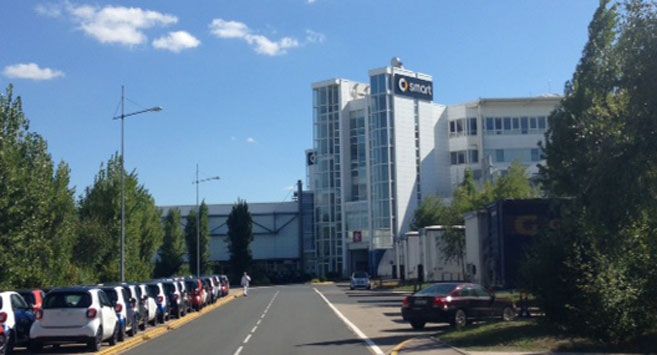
[33, 347]
[115, 335]
[94, 343]
[460, 319]
[417, 325]
[508, 314]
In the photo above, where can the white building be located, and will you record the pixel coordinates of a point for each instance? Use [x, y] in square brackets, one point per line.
[380, 148]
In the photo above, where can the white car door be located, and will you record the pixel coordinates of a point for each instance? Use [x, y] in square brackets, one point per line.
[108, 315]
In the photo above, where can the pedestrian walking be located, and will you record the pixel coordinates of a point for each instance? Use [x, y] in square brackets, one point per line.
[246, 279]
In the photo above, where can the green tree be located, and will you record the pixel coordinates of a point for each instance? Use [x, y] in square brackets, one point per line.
[172, 253]
[204, 237]
[98, 242]
[595, 275]
[36, 223]
[240, 236]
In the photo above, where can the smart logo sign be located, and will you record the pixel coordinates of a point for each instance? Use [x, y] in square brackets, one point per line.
[413, 87]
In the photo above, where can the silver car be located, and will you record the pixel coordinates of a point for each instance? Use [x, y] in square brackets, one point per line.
[360, 279]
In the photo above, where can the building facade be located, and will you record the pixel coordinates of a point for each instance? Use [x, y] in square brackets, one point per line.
[380, 148]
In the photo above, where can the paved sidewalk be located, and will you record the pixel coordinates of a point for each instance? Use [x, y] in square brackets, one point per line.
[424, 345]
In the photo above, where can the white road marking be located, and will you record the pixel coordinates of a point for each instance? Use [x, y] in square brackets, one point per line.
[370, 344]
[258, 322]
[247, 338]
[239, 350]
[254, 329]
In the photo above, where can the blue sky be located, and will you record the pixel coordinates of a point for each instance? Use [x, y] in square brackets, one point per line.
[234, 77]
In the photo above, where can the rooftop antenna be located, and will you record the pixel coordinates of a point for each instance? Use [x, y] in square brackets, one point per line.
[396, 62]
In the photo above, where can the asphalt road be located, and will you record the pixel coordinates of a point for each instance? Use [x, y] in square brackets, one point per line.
[275, 320]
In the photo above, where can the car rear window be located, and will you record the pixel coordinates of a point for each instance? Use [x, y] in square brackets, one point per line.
[169, 288]
[28, 297]
[111, 294]
[360, 275]
[192, 285]
[437, 290]
[153, 290]
[67, 300]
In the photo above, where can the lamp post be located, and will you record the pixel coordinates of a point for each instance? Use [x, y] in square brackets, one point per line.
[198, 222]
[122, 117]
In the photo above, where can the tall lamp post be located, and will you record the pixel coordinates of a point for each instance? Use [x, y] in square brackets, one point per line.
[122, 117]
[198, 222]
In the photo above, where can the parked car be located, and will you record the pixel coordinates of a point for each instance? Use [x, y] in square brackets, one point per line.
[149, 303]
[16, 318]
[3, 341]
[225, 285]
[197, 292]
[184, 295]
[120, 298]
[34, 298]
[212, 288]
[138, 307]
[156, 290]
[174, 297]
[455, 303]
[360, 279]
[75, 315]
[209, 294]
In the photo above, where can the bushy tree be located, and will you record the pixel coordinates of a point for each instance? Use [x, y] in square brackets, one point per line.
[36, 206]
[97, 246]
[172, 253]
[595, 275]
[204, 237]
[240, 236]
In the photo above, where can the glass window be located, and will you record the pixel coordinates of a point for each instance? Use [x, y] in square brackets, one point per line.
[498, 124]
[461, 156]
[473, 126]
[507, 123]
[454, 158]
[459, 126]
[489, 124]
[524, 124]
[374, 83]
[516, 123]
[532, 123]
[67, 300]
[474, 156]
[541, 122]
[452, 127]
[437, 290]
[535, 154]
[499, 155]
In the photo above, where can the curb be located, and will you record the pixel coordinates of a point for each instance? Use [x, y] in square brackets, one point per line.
[401, 346]
[161, 330]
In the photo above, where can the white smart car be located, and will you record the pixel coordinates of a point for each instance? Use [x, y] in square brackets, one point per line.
[75, 315]
[149, 303]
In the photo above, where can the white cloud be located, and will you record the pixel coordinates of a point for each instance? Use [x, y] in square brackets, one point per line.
[315, 37]
[251, 140]
[311, 1]
[261, 44]
[176, 41]
[31, 71]
[111, 24]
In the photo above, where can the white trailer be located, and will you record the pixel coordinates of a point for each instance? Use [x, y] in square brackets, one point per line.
[435, 265]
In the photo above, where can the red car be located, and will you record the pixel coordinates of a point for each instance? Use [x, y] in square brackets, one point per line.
[225, 285]
[197, 293]
[34, 298]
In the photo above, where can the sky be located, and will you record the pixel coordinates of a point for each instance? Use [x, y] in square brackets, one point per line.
[234, 77]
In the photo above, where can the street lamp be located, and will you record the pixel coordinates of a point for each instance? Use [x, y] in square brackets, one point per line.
[198, 222]
[122, 117]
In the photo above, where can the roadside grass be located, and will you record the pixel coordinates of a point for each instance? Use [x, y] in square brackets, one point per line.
[534, 335]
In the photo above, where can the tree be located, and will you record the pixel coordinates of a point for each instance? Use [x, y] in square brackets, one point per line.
[240, 236]
[172, 252]
[36, 223]
[100, 227]
[204, 237]
[595, 276]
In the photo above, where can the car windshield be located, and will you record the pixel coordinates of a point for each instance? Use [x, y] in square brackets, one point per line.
[360, 275]
[67, 300]
[437, 290]
[153, 290]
